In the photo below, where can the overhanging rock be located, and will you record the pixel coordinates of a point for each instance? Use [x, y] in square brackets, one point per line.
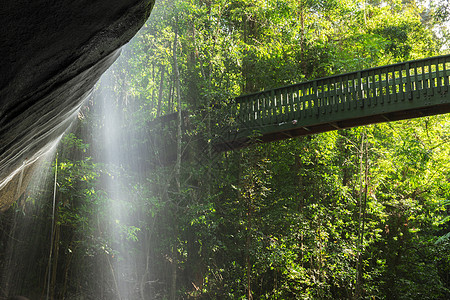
[53, 52]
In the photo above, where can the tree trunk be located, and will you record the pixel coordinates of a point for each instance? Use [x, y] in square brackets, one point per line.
[170, 98]
[67, 269]
[179, 119]
[298, 168]
[302, 39]
[364, 170]
[160, 93]
[247, 256]
[114, 277]
[153, 88]
[178, 160]
[54, 271]
[50, 288]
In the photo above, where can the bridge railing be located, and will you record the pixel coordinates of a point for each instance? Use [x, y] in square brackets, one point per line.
[380, 86]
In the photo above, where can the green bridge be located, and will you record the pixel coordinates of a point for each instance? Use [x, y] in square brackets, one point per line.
[388, 93]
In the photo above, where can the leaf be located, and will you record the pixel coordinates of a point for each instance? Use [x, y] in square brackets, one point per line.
[443, 239]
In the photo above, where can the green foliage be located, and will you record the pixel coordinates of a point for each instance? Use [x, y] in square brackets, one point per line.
[297, 219]
[360, 213]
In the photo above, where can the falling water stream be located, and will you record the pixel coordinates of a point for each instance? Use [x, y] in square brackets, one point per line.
[21, 247]
[117, 229]
[120, 266]
[109, 144]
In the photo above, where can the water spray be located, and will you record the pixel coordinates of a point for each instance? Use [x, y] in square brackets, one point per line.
[52, 228]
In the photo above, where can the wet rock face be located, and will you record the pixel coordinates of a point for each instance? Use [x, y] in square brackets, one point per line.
[52, 53]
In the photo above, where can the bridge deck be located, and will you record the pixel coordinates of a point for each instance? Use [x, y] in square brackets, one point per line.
[388, 93]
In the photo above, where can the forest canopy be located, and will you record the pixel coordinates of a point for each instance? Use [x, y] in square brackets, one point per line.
[146, 210]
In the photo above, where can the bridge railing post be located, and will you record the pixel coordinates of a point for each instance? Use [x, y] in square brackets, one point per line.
[271, 106]
[400, 86]
[337, 94]
[319, 95]
[417, 82]
[430, 88]
[327, 96]
[277, 104]
[346, 97]
[359, 90]
[408, 88]
[446, 75]
[354, 91]
[380, 98]
[316, 98]
[390, 79]
[443, 75]
[373, 95]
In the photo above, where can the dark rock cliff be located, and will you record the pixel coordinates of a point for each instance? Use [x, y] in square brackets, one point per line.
[53, 52]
